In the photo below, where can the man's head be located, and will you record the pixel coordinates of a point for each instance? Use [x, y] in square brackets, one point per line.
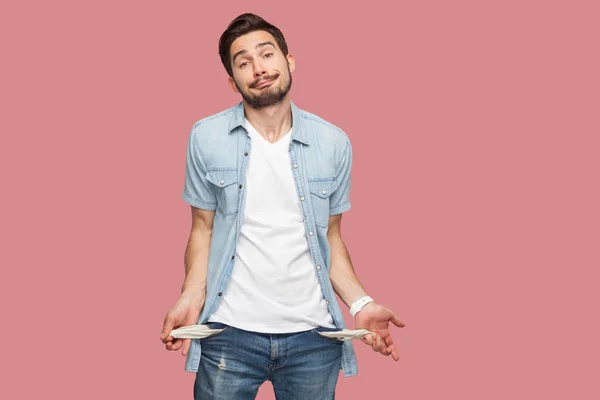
[255, 56]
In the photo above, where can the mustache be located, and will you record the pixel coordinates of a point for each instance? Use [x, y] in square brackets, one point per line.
[264, 78]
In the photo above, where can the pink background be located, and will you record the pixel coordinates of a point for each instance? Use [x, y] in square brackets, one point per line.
[475, 187]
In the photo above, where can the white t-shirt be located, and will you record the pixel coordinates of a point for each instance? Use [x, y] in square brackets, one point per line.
[273, 287]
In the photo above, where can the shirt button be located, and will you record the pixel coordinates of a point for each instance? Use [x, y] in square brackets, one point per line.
[318, 267]
[222, 182]
[232, 257]
[302, 198]
[310, 233]
[295, 165]
[324, 192]
[246, 153]
[327, 301]
[220, 293]
[240, 186]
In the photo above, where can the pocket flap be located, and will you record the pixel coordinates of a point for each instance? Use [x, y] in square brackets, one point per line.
[321, 187]
[222, 178]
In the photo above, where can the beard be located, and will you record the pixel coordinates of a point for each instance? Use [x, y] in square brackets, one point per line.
[269, 96]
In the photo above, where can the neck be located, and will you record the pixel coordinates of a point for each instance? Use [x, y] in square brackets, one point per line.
[271, 122]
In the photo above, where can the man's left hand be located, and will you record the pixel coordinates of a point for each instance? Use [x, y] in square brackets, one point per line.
[376, 318]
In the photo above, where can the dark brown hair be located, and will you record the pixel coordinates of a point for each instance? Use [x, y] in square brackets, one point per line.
[241, 25]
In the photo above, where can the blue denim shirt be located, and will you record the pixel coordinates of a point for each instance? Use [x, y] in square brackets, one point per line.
[218, 150]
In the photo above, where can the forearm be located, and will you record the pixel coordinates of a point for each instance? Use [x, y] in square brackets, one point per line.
[343, 278]
[196, 262]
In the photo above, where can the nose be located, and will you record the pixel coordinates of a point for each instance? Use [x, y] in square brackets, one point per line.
[259, 69]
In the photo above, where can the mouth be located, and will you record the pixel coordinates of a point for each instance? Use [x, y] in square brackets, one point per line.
[264, 83]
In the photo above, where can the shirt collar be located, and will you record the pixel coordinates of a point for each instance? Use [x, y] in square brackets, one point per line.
[237, 119]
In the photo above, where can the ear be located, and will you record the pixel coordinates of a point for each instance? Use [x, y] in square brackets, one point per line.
[232, 84]
[291, 62]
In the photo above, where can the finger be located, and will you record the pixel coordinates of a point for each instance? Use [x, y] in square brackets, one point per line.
[368, 339]
[394, 353]
[381, 345]
[391, 348]
[186, 346]
[173, 345]
[385, 350]
[167, 328]
[389, 341]
[377, 343]
[396, 321]
[177, 344]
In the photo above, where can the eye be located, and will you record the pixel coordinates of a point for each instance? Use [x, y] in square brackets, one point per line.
[242, 65]
[268, 55]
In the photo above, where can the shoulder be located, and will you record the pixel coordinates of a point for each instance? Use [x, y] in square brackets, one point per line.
[210, 139]
[213, 124]
[324, 131]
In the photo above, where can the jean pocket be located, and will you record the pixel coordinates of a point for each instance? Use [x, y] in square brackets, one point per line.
[217, 327]
[203, 331]
[342, 335]
[328, 334]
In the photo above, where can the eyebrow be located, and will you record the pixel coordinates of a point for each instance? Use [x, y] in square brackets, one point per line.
[262, 44]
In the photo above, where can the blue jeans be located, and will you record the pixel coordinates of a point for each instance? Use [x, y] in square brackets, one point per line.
[235, 362]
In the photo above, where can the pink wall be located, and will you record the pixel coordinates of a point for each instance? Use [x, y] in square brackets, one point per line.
[475, 191]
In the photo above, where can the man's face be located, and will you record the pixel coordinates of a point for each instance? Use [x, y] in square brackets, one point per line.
[261, 73]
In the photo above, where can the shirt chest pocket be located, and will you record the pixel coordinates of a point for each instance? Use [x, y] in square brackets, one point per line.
[320, 193]
[226, 190]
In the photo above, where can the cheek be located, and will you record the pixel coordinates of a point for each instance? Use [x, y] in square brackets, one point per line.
[241, 81]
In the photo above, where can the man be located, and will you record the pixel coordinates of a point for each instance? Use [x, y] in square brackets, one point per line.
[267, 184]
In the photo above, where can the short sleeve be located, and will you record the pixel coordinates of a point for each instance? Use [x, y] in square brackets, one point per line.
[340, 198]
[197, 191]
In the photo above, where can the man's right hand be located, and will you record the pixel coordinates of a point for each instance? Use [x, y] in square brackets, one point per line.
[185, 312]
